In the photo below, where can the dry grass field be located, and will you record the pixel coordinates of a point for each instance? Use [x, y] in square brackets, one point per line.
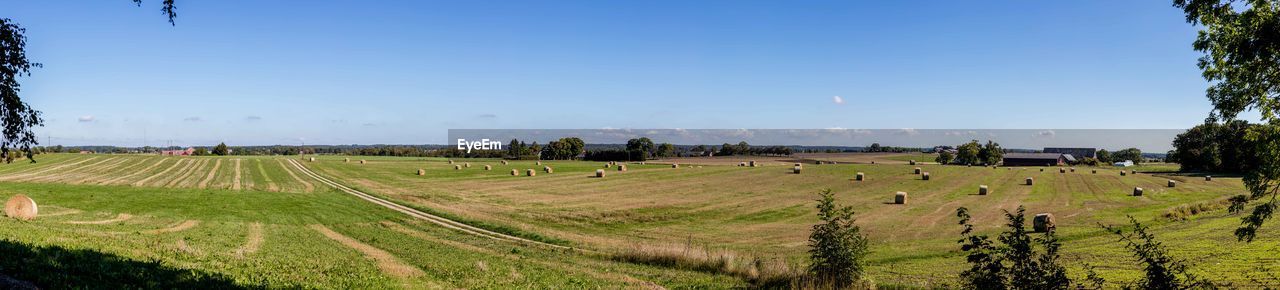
[713, 206]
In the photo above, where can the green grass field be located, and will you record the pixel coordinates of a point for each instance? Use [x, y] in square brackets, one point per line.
[763, 212]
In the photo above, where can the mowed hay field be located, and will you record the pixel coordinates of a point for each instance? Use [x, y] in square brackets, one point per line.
[767, 211]
[170, 232]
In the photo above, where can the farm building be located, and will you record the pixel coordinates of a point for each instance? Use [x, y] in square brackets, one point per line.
[1077, 152]
[186, 152]
[1034, 159]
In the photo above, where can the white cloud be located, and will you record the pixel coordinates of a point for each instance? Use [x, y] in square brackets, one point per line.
[907, 131]
[1046, 134]
[192, 119]
[253, 118]
[838, 100]
[87, 118]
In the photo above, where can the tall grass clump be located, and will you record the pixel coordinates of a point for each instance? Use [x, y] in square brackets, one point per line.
[688, 256]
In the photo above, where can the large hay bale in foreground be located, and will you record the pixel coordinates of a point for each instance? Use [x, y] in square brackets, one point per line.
[1172, 183]
[796, 169]
[530, 172]
[900, 198]
[422, 172]
[917, 170]
[622, 167]
[1137, 191]
[924, 175]
[515, 172]
[1208, 178]
[1043, 222]
[1031, 181]
[982, 190]
[860, 176]
[600, 173]
[21, 207]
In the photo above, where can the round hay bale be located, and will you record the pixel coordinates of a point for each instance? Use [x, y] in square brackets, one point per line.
[1043, 222]
[548, 169]
[457, 167]
[346, 159]
[515, 172]
[873, 162]
[504, 162]
[539, 163]
[673, 165]
[600, 173]
[1073, 169]
[1172, 183]
[900, 198]
[606, 165]
[982, 190]
[450, 161]
[819, 162]
[917, 170]
[796, 169]
[1133, 172]
[752, 163]
[1031, 181]
[1095, 171]
[1208, 178]
[1062, 170]
[530, 172]
[860, 176]
[1137, 191]
[488, 167]
[742, 164]
[362, 161]
[622, 167]
[21, 207]
[912, 162]
[1122, 173]
[422, 172]
[1041, 169]
[467, 165]
[924, 175]
[798, 164]
[312, 159]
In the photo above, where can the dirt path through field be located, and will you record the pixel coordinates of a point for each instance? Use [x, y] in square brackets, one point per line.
[209, 177]
[252, 242]
[305, 184]
[118, 218]
[235, 181]
[386, 262]
[185, 225]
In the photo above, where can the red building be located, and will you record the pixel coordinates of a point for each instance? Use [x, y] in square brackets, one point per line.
[186, 152]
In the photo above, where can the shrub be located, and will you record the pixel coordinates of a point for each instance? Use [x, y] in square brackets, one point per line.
[837, 249]
[1014, 263]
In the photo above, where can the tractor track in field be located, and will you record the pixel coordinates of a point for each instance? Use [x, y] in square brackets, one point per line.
[444, 222]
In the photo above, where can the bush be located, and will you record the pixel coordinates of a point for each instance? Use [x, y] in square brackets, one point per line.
[1015, 263]
[1162, 271]
[837, 250]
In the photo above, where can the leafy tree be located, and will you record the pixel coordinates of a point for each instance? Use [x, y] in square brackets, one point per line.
[1161, 270]
[1014, 263]
[875, 147]
[837, 249]
[642, 144]
[1241, 60]
[990, 154]
[17, 117]
[200, 151]
[1131, 154]
[220, 150]
[666, 150]
[945, 157]
[967, 154]
[1104, 156]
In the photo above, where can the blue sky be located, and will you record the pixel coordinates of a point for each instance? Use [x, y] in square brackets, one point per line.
[345, 72]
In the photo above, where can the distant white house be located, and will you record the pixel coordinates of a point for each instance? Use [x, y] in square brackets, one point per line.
[1126, 163]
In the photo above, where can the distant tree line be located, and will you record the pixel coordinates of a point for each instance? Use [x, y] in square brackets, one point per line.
[1215, 147]
[876, 147]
